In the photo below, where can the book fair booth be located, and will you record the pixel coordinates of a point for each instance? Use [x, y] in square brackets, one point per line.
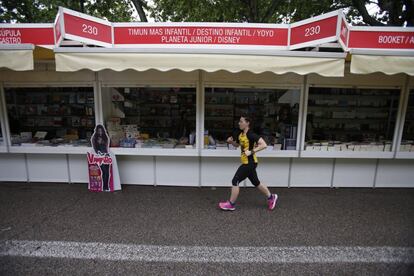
[334, 102]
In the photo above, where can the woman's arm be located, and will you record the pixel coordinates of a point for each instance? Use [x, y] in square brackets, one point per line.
[231, 141]
[261, 145]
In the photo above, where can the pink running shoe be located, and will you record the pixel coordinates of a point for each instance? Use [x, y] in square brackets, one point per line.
[272, 202]
[226, 206]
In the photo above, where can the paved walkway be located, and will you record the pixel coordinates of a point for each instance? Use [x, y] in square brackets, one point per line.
[64, 229]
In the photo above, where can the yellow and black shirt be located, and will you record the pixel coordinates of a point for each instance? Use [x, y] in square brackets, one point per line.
[247, 142]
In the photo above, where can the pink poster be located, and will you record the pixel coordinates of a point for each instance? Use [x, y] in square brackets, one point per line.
[102, 166]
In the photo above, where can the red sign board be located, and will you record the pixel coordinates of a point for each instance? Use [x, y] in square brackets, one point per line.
[58, 31]
[313, 31]
[344, 32]
[381, 39]
[38, 34]
[87, 30]
[72, 25]
[161, 34]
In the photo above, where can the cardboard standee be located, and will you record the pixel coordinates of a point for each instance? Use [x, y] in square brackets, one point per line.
[102, 166]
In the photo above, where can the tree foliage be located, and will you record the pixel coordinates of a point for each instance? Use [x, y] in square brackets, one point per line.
[387, 12]
[44, 11]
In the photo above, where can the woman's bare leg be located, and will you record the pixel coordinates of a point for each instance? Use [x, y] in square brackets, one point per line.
[263, 188]
[234, 194]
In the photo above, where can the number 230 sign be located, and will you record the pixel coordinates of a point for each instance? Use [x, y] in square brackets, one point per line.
[84, 28]
[319, 29]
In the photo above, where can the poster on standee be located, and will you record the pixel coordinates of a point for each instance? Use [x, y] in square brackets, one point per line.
[102, 166]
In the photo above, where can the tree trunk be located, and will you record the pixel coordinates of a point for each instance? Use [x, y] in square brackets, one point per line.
[270, 11]
[360, 6]
[253, 11]
[82, 6]
[408, 15]
[139, 7]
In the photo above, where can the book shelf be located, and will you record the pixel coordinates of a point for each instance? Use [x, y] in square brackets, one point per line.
[160, 117]
[3, 147]
[1, 136]
[224, 106]
[63, 114]
[348, 119]
[407, 142]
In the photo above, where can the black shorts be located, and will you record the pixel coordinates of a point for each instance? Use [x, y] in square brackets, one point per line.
[246, 171]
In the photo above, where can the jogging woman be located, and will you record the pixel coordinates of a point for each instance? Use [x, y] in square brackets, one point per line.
[250, 143]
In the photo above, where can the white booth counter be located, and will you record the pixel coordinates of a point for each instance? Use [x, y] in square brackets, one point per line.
[360, 133]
